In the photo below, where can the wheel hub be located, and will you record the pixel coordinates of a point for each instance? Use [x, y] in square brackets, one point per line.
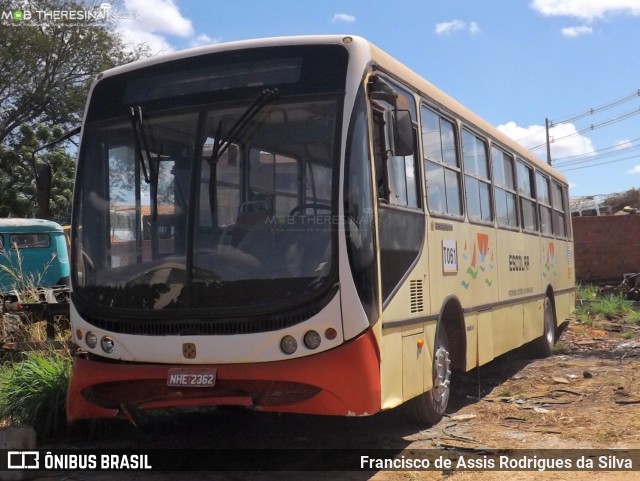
[442, 377]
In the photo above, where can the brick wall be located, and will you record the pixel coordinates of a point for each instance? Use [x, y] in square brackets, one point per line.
[606, 247]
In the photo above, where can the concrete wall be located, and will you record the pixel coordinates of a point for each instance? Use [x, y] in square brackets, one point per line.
[606, 247]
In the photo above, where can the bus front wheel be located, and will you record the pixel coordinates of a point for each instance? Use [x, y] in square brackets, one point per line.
[430, 406]
[543, 346]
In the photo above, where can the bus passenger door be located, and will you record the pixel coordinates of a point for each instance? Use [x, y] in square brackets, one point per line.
[401, 231]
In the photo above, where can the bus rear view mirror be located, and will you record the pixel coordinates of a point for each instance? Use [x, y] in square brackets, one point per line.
[382, 91]
[402, 133]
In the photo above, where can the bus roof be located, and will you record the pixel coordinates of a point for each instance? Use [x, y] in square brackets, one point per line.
[401, 71]
[375, 54]
[29, 225]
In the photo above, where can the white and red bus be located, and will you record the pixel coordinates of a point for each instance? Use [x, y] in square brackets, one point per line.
[315, 229]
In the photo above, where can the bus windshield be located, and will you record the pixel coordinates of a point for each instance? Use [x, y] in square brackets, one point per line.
[203, 205]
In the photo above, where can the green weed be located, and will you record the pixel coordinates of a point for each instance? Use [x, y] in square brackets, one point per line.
[587, 291]
[610, 307]
[34, 391]
[12, 273]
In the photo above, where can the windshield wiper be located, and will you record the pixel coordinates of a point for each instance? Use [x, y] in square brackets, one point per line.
[136, 120]
[221, 146]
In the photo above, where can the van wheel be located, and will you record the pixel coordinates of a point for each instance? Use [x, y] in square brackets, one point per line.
[543, 346]
[430, 406]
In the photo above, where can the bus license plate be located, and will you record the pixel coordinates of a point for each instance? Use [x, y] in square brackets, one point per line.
[191, 377]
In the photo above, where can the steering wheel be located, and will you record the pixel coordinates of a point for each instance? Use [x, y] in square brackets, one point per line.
[147, 276]
[314, 205]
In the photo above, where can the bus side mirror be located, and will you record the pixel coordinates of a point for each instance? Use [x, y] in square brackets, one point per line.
[403, 142]
[43, 192]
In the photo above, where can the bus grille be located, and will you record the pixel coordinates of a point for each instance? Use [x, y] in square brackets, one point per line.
[128, 324]
[417, 295]
[261, 393]
[198, 327]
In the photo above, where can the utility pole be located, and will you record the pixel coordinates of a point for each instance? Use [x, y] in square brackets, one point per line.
[546, 123]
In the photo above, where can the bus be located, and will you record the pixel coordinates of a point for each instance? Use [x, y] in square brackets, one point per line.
[343, 235]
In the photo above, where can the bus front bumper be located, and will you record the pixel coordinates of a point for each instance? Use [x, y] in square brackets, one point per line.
[344, 381]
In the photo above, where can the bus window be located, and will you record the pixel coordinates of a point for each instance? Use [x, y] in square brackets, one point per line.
[504, 188]
[544, 202]
[477, 182]
[527, 196]
[442, 169]
[227, 186]
[358, 200]
[401, 173]
[273, 179]
[317, 183]
[559, 218]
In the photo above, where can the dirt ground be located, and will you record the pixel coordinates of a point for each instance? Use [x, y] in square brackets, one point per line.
[585, 396]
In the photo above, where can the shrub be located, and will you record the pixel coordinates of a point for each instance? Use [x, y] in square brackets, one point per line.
[586, 291]
[34, 391]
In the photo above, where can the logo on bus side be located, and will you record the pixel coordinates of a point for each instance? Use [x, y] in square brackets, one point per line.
[550, 260]
[519, 263]
[481, 265]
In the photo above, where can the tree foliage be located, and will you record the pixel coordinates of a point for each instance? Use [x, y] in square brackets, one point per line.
[45, 73]
[621, 200]
[17, 186]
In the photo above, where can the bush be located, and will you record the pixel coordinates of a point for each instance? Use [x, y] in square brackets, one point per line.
[34, 391]
[609, 307]
[587, 291]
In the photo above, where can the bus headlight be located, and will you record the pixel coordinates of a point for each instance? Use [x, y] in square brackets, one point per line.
[312, 339]
[107, 344]
[330, 333]
[91, 339]
[288, 344]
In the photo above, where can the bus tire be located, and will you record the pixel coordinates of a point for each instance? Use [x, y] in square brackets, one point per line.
[429, 407]
[543, 346]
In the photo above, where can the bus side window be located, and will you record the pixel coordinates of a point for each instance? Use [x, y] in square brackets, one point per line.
[559, 215]
[504, 188]
[442, 167]
[477, 180]
[544, 203]
[527, 195]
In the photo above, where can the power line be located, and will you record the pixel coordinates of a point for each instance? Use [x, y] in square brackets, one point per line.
[591, 156]
[592, 127]
[535, 132]
[586, 113]
[591, 111]
[595, 159]
[601, 163]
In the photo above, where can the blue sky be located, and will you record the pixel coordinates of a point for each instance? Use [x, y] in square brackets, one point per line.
[514, 63]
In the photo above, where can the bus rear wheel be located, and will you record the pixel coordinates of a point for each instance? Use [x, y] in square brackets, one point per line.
[430, 406]
[543, 346]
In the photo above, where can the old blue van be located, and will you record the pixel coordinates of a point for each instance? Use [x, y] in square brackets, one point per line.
[42, 248]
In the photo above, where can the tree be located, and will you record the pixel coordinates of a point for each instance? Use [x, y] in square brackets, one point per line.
[621, 200]
[17, 186]
[46, 69]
